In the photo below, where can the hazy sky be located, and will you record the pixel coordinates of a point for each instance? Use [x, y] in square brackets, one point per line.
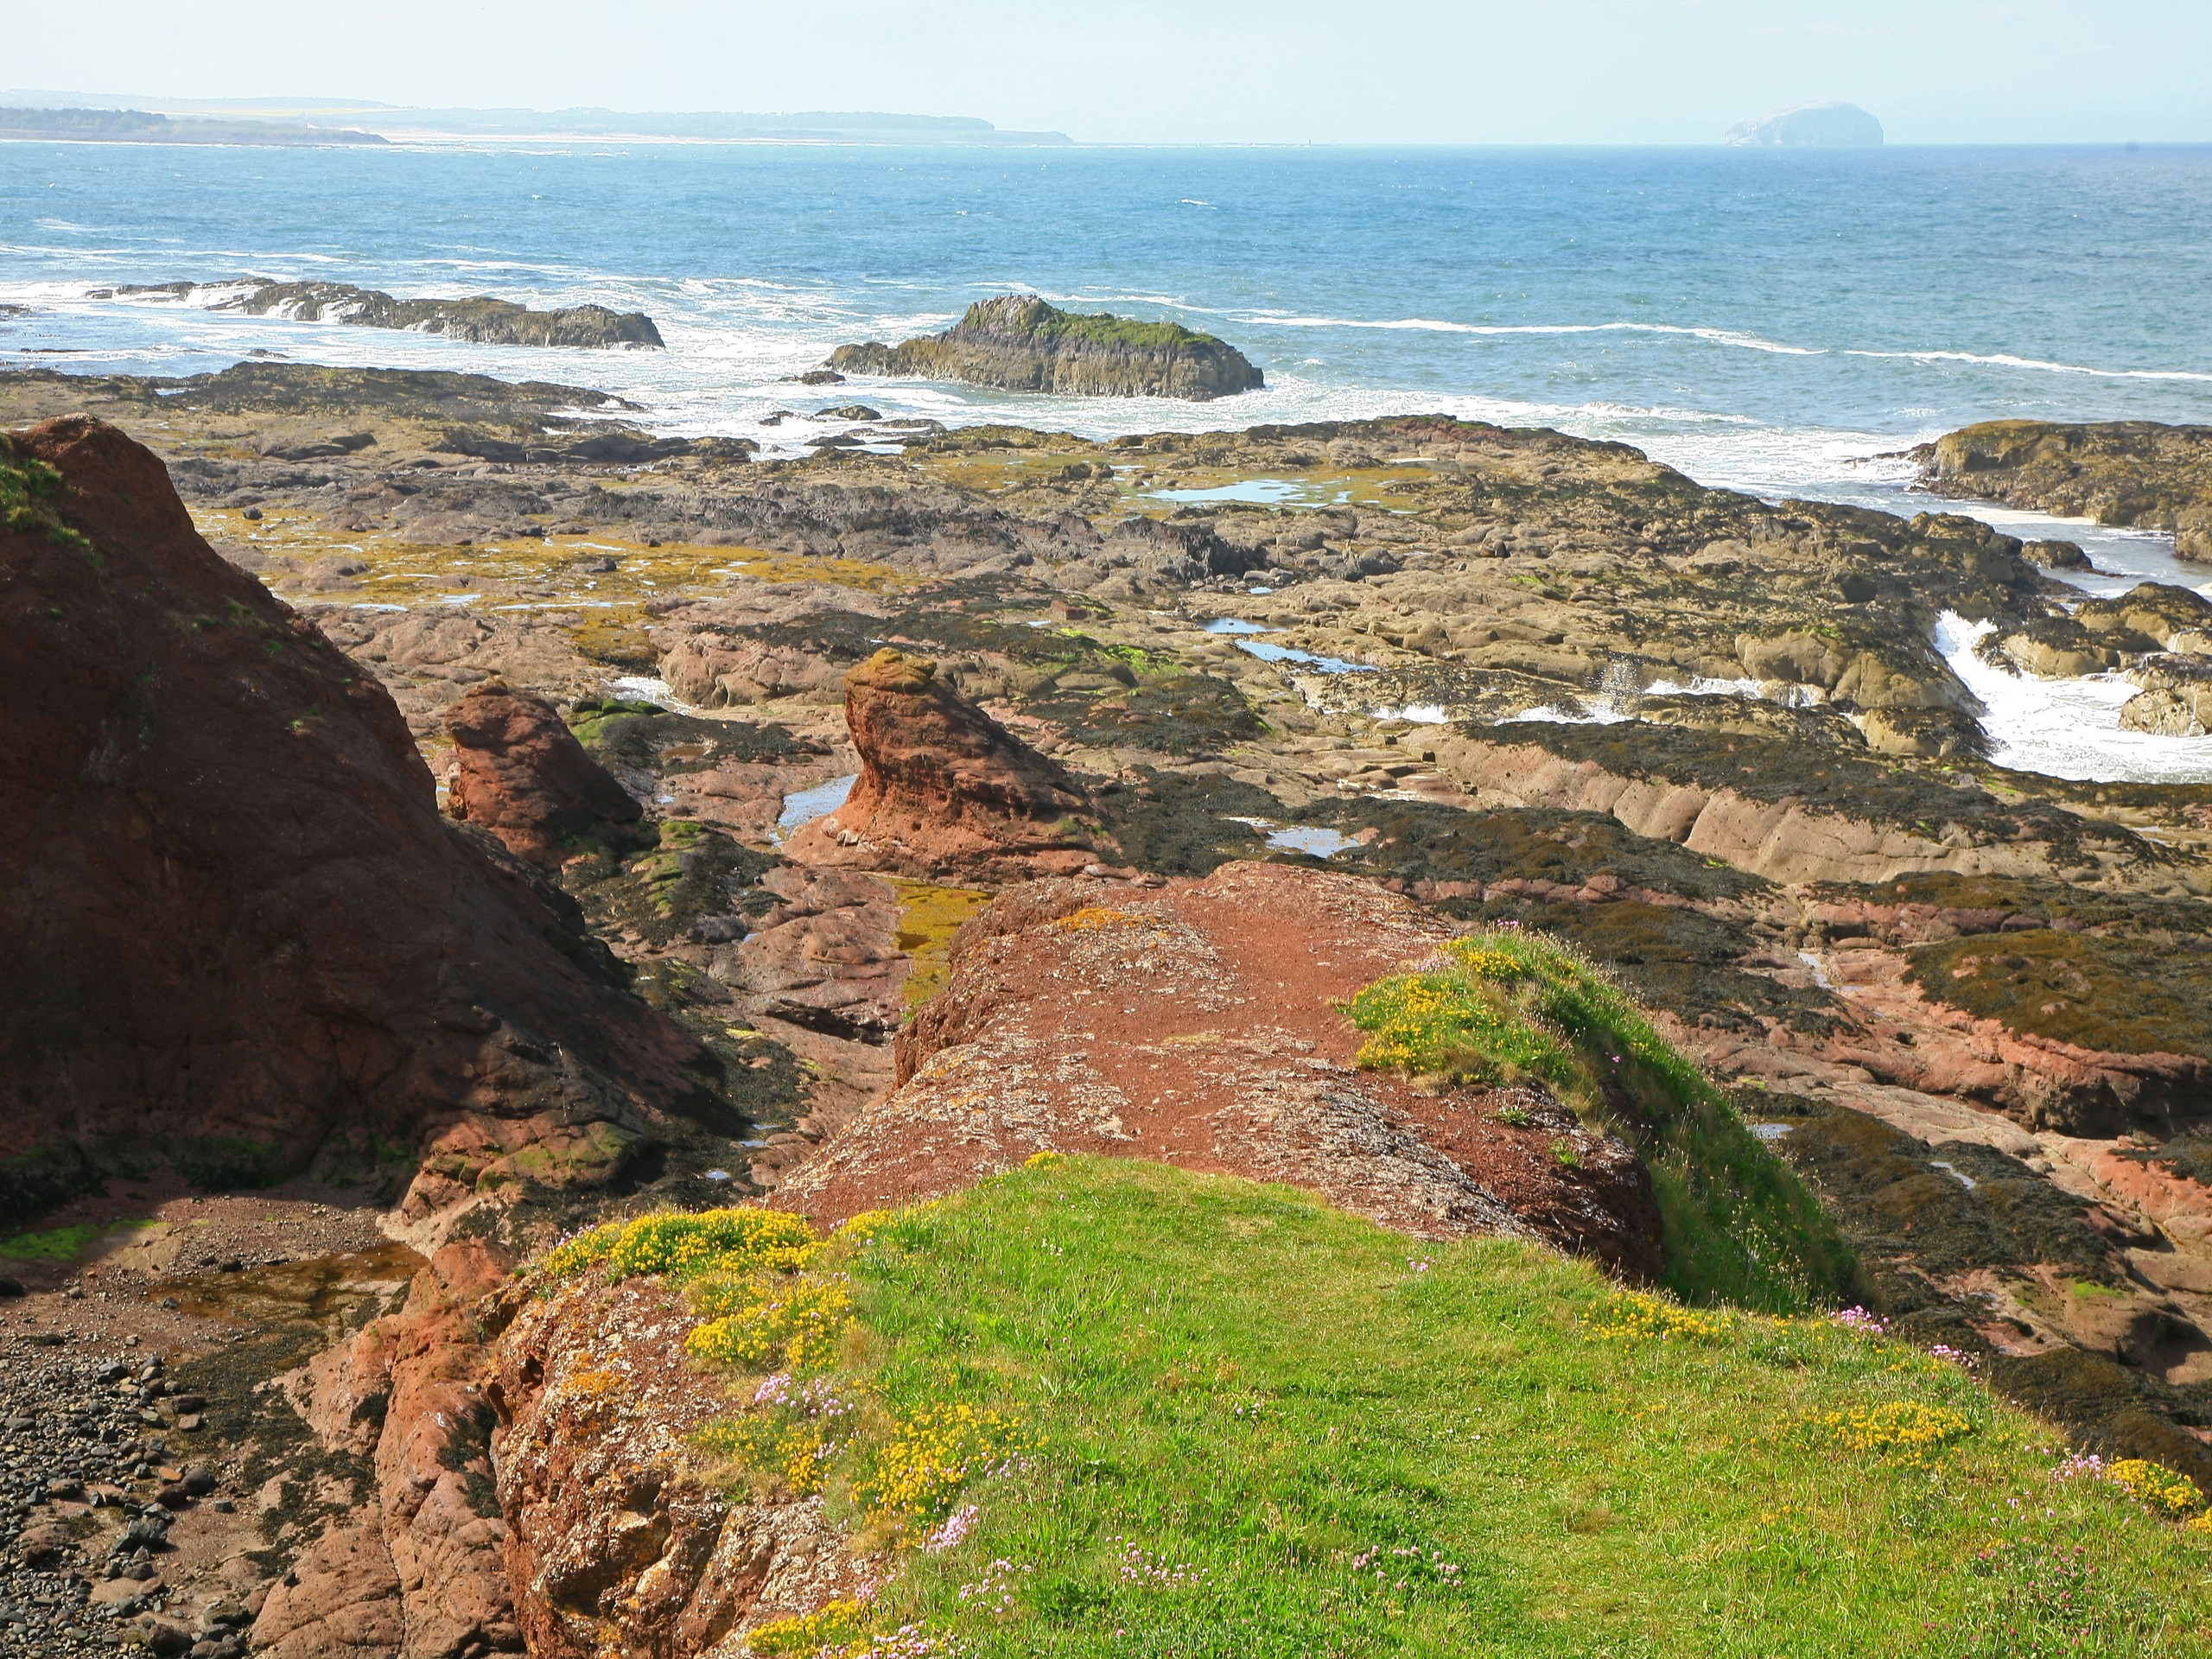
[1163, 70]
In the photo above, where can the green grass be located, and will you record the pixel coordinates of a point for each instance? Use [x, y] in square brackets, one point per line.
[1243, 1423]
[62, 1243]
[1506, 1006]
[28, 486]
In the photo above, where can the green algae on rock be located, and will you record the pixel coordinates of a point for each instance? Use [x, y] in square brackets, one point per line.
[2135, 473]
[1021, 343]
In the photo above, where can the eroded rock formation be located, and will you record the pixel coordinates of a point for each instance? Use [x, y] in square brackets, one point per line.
[2136, 472]
[622, 1537]
[519, 772]
[1198, 1026]
[480, 318]
[943, 787]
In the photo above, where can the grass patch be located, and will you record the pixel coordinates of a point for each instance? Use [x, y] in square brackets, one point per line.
[63, 1244]
[1106, 1407]
[1506, 1006]
[27, 487]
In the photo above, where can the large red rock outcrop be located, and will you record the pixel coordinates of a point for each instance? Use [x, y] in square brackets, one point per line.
[944, 789]
[519, 772]
[235, 933]
[1198, 1025]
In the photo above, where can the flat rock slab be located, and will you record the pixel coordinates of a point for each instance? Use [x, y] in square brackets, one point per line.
[1200, 1025]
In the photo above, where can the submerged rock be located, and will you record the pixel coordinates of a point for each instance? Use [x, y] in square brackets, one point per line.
[943, 788]
[1021, 343]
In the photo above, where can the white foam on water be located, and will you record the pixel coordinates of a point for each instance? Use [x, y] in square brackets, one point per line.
[2065, 728]
[1555, 715]
[1420, 714]
[639, 688]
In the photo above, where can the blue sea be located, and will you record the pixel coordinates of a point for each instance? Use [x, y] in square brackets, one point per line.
[1782, 321]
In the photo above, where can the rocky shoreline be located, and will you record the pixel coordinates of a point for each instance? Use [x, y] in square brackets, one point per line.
[2138, 473]
[481, 319]
[650, 956]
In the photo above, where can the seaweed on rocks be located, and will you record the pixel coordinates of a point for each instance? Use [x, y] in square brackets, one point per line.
[1184, 822]
[1417, 841]
[2135, 995]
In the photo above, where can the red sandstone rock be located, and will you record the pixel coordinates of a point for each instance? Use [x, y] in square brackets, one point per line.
[519, 772]
[943, 788]
[232, 920]
[625, 1538]
[422, 1574]
[1198, 1026]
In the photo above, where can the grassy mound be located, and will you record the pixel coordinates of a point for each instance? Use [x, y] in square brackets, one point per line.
[1104, 1408]
[1504, 1006]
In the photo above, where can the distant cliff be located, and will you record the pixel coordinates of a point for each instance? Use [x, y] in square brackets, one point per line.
[480, 318]
[1828, 124]
[1018, 342]
[2137, 473]
[143, 127]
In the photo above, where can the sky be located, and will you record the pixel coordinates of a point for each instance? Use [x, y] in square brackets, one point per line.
[1482, 72]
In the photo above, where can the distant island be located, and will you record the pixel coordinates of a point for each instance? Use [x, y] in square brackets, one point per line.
[1827, 124]
[146, 127]
[1019, 343]
[155, 120]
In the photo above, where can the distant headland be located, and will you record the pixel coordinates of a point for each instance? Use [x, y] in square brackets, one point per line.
[292, 121]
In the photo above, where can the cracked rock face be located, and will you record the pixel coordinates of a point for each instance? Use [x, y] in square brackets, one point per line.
[622, 1537]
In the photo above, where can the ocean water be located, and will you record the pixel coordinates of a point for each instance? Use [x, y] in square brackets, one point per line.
[1768, 319]
[1779, 321]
